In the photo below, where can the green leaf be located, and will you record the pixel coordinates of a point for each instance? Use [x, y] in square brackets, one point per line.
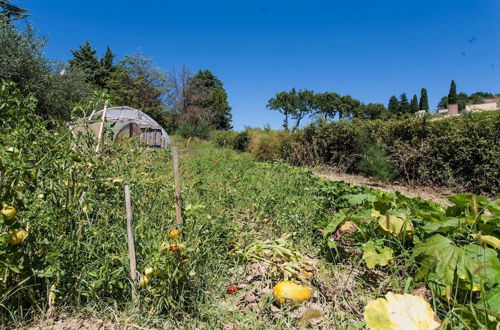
[444, 226]
[490, 299]
[447, 265]
[359, 198]
[376, 255]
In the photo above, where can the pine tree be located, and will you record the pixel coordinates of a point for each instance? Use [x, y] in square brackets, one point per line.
[414, 104]
[393, 105]
[404, 106]
[107, 60]
[424, 101]
[84, 58]
[106, 68]
[10, 11]
[452, 95]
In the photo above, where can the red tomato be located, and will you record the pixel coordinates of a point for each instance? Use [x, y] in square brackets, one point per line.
[174, 248]
[231, 289]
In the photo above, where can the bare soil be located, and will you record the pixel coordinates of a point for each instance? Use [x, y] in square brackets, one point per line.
[429, 193]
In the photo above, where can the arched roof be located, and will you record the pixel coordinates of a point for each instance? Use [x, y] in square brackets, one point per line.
[128, 114]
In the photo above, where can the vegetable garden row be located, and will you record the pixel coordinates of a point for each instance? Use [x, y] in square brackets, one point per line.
[350, 254]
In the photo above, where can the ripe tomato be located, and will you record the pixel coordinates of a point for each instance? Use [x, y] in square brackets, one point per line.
[174, 248]
[231, 289]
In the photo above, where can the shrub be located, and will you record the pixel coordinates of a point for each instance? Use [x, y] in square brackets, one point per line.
[224, 138]
[267, 145]
[375, 163]
[460, 151]
[201, 130]
[242, 141]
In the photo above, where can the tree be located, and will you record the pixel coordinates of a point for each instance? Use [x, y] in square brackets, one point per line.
[348, 106]
[222, 116]
[85, 59]
[414, 104]
[11, 12]
[286, 103]
[393, 105]
[136, 82]
[206, 100]
[424, 101]
[55, 86]
[404, 106]
[452, 95]
[326, 104]
[106, 68]
[374, 111]
[304, 105]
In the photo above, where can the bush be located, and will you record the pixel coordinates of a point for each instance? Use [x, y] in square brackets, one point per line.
[459, 151]
[242, 141]
[201, 130]
[229, 139]
[266, 145]
[224, 138]
[375, 163]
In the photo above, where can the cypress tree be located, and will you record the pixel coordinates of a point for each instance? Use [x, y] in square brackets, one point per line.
[414, 104]
[393, 105]
[424, 101]
[404, 105]
[452, 95]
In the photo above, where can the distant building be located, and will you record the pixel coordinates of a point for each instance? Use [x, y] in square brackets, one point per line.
[488, 104]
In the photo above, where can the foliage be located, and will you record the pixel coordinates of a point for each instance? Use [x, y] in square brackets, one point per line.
[10, 11]
[204, 99]
[452, 95]
[459, 151]
[237, 140]
[202, 130]
[393, 105]
[55, 86]
[424, 100]
[375, 163]
[137, 83]
[442, 243]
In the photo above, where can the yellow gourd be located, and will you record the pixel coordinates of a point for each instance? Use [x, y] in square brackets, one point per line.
[9, 212]
[17, 236]
[174, 233]
[290, 292]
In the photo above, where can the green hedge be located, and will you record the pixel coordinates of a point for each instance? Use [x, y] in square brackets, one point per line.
[238, 141]
[457, 151]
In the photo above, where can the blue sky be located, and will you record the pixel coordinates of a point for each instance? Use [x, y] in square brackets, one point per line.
[369, 49]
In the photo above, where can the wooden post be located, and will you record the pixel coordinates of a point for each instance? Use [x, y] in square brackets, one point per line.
[175, 162]
[130, 235]
[101, 128]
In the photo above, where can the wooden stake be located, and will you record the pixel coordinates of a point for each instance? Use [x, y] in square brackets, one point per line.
[130, 236]
[101, 128]
[177, 181]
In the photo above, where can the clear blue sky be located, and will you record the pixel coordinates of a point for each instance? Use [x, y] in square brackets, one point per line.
[369, 49]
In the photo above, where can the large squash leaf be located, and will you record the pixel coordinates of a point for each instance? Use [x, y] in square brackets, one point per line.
[398, 312]
[491, 300]
[447, 265]
[395, 224]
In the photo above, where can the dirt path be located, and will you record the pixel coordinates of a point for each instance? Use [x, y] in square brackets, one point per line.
[434, 194]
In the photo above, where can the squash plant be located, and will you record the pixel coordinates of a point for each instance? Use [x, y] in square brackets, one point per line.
[452, 250]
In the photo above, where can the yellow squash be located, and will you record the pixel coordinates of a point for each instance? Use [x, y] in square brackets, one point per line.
[9, 212]
[290, 292]
[17, 236]
[174, 233]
